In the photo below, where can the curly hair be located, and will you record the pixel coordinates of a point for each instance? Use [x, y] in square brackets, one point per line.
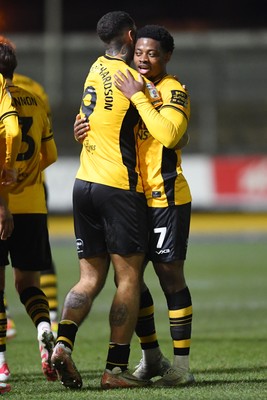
[113, 24]
[158, 33]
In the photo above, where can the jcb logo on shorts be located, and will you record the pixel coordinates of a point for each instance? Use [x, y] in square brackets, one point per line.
[164, 251]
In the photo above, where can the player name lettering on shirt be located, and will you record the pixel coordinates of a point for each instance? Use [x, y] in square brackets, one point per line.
[108, 92]
[24, 101]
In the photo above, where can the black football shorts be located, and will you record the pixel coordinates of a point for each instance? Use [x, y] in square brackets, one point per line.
[169, 231]
[108, 220]
[28, 247]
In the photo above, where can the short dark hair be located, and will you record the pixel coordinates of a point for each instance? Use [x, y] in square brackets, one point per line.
[158, 33]
[8, 60]
[113, 24]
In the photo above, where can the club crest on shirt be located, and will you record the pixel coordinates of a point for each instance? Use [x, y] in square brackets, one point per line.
[180, 98]
[154, 95]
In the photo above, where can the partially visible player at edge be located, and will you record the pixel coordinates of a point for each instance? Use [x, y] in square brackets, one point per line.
[10, 141]
[49, 276]
[28, 246]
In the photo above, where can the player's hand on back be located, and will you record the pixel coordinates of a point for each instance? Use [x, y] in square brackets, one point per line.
[127, 84]
[80, 128]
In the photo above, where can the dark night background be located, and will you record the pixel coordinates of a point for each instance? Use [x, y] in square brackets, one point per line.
[81, 16]
[220, 54]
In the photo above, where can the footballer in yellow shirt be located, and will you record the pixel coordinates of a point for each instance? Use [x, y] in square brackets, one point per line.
[49, 276]
[169, 202]
[10, 140]
[28, 247]
[10, 134]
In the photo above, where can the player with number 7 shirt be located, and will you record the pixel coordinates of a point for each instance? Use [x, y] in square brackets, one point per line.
[161, 135]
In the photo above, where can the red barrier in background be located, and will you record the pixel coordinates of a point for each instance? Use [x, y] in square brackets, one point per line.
[240, 180]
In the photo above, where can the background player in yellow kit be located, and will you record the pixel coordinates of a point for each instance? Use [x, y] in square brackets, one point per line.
[10, 141]
[28, 246]
[49, 276]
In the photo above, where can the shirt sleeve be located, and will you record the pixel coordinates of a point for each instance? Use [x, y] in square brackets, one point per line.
[48, 147]
[13, 139]
[169, 123]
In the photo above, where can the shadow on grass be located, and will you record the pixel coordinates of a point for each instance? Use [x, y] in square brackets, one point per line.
[229, 339]
[236, 370]
[92, 378]
[214, 382]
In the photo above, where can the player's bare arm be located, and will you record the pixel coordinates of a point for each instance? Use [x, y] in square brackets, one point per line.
[6, 220]
[80, 128]
[127, 84]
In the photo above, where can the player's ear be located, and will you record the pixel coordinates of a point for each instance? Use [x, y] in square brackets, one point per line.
[132, 35]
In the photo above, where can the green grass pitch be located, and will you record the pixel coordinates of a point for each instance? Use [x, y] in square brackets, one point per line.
[227, 278]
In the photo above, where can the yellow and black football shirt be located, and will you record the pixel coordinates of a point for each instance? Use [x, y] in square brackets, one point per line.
[34, 87]
[10, 135]
[37, 89]
[159, 132]
[109, 152]
[27, 195]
